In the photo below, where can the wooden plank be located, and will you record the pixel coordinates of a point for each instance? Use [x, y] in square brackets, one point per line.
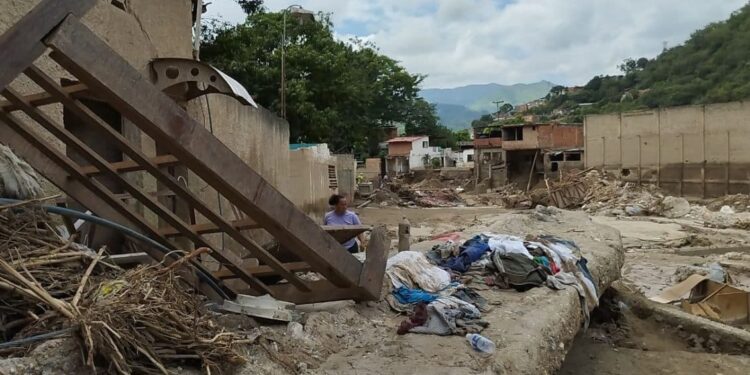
[206, 228]
[85, 114]
[373, 271]
[56, 167]
[43, 98]
[343, 233]
[263, 270]
[131, 165]
[94, 63]
[22, 43]
[228, 259]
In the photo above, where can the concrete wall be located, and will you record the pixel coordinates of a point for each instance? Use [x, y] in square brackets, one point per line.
[530, 138]
[484, 160]
[346, 168]
[690, 150]
[308, 179]
[371, 169]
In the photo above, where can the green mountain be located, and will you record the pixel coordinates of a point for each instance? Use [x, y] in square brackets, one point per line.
[456, 116]
[712, 66]
[457, 107]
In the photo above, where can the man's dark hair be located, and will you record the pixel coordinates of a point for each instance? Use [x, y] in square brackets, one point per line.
[334, 199]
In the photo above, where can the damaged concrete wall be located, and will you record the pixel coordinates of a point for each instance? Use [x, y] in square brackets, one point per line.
[309, 186]
[346, 169]
[697, 151]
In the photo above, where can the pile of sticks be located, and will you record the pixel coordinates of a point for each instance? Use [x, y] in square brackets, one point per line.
[127, 321]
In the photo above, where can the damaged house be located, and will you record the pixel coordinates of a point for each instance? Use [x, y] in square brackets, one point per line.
[525, 153]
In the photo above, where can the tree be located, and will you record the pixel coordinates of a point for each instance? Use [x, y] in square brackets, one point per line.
[340, 93]
[642, 63]
[506, 108]
[251, 6]
[462, 135]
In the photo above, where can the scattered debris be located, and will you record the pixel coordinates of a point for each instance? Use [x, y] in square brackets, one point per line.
[137, 320]
[17, 179]
[265, 307]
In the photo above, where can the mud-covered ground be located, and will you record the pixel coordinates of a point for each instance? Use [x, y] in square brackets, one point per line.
[620, 343]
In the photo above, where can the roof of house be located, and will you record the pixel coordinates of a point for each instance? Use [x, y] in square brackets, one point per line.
[406, 139]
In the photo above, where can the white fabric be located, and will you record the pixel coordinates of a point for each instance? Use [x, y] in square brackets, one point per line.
[563, 252]
[507, 245]
[411, 269]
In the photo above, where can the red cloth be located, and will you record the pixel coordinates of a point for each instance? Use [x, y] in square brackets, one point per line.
[416, 319]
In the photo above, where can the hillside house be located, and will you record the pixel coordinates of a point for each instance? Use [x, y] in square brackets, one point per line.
[407, 153]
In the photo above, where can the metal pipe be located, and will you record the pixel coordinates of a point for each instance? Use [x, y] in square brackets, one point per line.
[207, 278]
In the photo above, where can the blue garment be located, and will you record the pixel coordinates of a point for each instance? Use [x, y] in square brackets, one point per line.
[406, 295]
[584, 268]
[348, 218]
[471, 251]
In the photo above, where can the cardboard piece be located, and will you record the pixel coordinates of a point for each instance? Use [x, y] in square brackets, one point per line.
[704, 297]
[679, 291]
[720, 302]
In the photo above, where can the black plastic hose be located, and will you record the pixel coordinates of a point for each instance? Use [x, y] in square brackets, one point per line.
[204, 276]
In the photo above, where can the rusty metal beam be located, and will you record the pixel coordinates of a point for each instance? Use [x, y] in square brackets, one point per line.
[131, 165]
[94, 63]
[230, 261]
[43, 98]
[22, 44]
[171, 183]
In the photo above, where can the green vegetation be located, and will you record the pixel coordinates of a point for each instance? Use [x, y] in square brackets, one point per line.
[712, 66]
[339, 93]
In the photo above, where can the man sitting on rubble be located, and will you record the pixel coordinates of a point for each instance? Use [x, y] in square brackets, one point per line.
[340, 215]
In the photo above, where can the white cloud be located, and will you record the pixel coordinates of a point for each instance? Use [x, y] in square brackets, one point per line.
[458, 42]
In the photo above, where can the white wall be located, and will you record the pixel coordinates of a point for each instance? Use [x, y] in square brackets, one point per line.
[463, 160]
[418, 151]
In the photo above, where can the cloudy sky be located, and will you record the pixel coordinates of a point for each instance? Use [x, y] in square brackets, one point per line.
[459, 42]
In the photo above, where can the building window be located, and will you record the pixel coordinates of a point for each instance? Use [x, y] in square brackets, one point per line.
[573, 156]
[425, 144]
[557, 156]
[470, 157]
[513, 134]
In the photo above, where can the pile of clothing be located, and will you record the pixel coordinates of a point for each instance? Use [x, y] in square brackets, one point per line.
[515, 263]
[424, 284]
[436, 304]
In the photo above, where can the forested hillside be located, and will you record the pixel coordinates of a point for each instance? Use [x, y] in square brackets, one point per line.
[712, 66]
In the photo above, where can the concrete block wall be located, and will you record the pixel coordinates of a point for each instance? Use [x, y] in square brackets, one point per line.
[697, 151]
[346, 174]
[308, 179]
